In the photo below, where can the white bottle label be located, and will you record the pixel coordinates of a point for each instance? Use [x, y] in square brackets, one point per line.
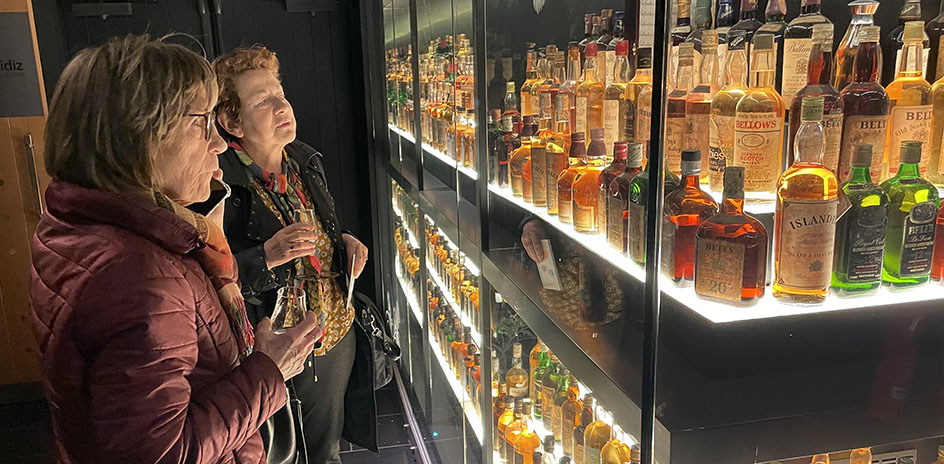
[611, 124]
[757, 147]
[647, 23]
[909, 123]
[796, 62]
[806, 237]
[863, 130]
[832, 129]
[581, 108]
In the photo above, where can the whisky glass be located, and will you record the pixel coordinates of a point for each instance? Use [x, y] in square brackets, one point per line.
[305, 216]
[290, 305]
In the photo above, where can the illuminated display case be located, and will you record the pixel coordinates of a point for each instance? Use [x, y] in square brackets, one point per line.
[685, 378]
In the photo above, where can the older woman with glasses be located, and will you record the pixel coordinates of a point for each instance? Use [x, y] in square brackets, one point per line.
[147, 354]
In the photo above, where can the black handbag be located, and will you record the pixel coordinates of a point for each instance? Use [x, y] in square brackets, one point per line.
[281, 432]
[383, 348]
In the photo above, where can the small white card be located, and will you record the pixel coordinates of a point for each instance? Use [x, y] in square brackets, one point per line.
[548, 268]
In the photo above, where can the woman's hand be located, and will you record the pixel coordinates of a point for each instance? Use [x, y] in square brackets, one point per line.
[288, 350]
[289, 243]
[531, 235]
[355, 249]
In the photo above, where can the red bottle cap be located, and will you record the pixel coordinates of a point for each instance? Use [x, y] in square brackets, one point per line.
[622, 48]
[591, 49]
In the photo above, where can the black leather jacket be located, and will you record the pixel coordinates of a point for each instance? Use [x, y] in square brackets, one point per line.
[248, 223]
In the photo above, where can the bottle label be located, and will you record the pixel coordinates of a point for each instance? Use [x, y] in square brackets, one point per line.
[668, 247]
[616, 227]
[579, 454]
[926, 52]
[556, 163]
[719, 269]
[807, 231]
[581, 108]
[535, 101]
[909, 123]
[585, 217]
[637, 232]
[547, 105]
[859, 130]
[940, 60]
[647, 24]
[721, 143]
[832, 130]
[796, 63]
[603, 194]
[546, 406]
[866, 244]
[674, 140]
[918, 240]
[592, 455]
[673, 65]
[611, 124]
[519, 391]
[556, 421]
[609, 62]
[539, 176]
[757, 147]
[698, 134]
[643, 118]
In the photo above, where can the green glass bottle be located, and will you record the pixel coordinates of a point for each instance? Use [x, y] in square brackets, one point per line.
[548, 387]
[860, 232]
[560, 396]
[912, 209]
[638, 196]
[544, 362]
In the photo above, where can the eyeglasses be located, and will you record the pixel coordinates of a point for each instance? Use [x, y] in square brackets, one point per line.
[210, 117]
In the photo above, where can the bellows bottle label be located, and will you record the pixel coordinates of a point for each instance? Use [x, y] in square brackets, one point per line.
[757, 138]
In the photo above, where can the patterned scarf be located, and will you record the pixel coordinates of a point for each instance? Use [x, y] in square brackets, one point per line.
[283, 189]
[218, 263]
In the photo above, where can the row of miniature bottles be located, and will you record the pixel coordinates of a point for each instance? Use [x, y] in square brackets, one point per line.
[452, 269]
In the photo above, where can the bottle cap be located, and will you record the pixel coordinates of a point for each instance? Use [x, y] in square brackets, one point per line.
[869, 34]
[564, 460]
[510, 86]
[763, 42]
[863, 156]
[691, 162]
[635, 454]
[622, 48]
[550, 50]
[914, 31]
[596, 133]
[563, 372]
[588, 400]
[823, 33]
[644, 58]
[516, 350]
[528, 120]
[553, 356]
[634, 155]
[591, 49]
[709, 40]
[734, 182]
[577, 137]
[736, 39]
[620, 150]
[691, 155]
[687, 50]
[549, 444]
[811, 110]
[911, 152]
[775, 7]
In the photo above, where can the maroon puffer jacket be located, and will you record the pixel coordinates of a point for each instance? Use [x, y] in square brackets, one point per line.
[139, 362]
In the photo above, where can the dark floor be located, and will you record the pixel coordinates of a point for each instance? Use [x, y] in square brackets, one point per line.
[26, 437]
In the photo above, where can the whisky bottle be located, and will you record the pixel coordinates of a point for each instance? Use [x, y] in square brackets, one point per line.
[510, 104]
[858, 456]
[749, 24]
[805, 219]
[935, 170]
[540, 90]
[507, 144]
[617, 204]
[638, 198]
[698, 102]
[616, 107]
[912, 210]
[591, 38]
[605, 58]
[824, 459]
[494, 135]
[820, 63]
[935, 29]
[862, 16]
[570, 416]
[517, 160]
[568, 88]
[577, 161]
[595, 438]
[675, 110]
[640, 80]
[725, 18]
[731, 249]
[860, 232]
[548, 456]
[895, 41]
[589, 106]
[528, 441]
[538, 351]
[517, 378]
[616, 451]
[548, 387]
[557, 148]
[586, 418]
[678, 34]
[539, 163]
[775, 25]
[684, 210]
[586, 186]
[909, 97]
[797, 44]
[701, 17]
[758, 124]
[560, 395]
[724, 111]
[937, 265]
[615, 169]
[507, 417]
[531, 76]
[865, 107]
[514, 429]
[544, 363]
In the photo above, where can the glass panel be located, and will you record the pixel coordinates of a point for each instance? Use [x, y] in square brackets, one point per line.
[782, 332]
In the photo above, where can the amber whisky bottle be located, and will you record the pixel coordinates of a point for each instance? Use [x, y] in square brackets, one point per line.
[685, 209]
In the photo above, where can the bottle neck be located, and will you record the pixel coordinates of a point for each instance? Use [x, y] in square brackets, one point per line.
[590, 73]
[810, 8]
[809, 143]
[762, 70]
[621, 70]
[684, 14]
[736, 68]
[862, 19]
[632, 169]
[709, 67]
[821, 66]
[733, 206]
[866, 62]
[860, 175]
[748, 10]
[908, 170]
[573, 69]
[911, 60]
[685, 75]
[690, 179]
[726, 16]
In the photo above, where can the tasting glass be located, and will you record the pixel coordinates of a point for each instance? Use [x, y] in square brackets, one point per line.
[290, 306]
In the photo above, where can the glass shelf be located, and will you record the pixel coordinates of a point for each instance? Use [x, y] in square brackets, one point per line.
[464, 170]
[468, 406]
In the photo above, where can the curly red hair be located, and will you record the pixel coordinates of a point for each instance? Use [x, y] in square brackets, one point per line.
[230, 65]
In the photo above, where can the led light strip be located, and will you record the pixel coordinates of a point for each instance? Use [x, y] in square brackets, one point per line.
[402, 132]
[410, 297]
[767, 307]
[463, 317]
[468, 407]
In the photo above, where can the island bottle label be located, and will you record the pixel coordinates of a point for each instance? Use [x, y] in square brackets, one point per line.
[805, 251]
